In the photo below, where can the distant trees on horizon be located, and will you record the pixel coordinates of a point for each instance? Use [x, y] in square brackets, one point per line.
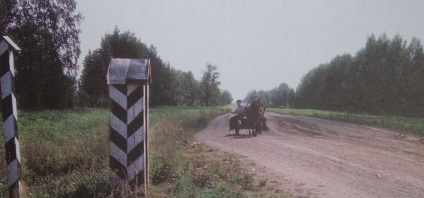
[385, 78]
[281, 96]
[170, 87]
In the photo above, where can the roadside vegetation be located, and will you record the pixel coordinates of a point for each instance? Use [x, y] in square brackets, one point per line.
[404, 124]
[181, 167]
[66, 154]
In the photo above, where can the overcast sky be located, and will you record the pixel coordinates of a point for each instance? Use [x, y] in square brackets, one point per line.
[256, 44]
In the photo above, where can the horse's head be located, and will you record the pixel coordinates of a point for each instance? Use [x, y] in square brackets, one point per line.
[253, 109]
[255, 106]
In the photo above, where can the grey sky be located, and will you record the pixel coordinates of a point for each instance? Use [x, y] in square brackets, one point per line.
[256, 44]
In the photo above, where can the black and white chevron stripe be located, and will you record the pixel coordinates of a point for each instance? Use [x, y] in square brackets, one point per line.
[10, 126]
[127, 133]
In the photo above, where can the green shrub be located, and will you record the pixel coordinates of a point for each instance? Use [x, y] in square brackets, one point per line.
[160, 170]
[186, 187]
[243, 179]
[223, 190]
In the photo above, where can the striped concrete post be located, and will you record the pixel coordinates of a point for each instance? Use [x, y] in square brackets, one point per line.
[128, 81]
[9, 111]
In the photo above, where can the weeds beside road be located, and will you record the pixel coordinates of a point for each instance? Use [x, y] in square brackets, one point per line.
[66, 154]
[405, 124]
[63, 153]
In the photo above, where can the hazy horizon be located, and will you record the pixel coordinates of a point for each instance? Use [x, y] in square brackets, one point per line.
[255, 44]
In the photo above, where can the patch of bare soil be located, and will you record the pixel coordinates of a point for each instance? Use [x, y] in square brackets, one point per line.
[311, 157]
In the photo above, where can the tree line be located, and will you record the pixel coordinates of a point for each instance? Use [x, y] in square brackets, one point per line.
[170, 87]
[386, 77]
[282, 96]
[46, 68]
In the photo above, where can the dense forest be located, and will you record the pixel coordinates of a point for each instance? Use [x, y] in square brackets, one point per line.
[170, 87]
[383, 78]
[386, 77]
[48, 34]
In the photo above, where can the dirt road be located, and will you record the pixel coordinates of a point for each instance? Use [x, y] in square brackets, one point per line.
[320, 158]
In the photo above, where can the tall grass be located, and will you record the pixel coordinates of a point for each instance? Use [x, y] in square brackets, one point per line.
[176, 160]
[66, 153]
[411, 125]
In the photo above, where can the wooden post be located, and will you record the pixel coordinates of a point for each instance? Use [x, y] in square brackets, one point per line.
[10, 118]
[128, 81]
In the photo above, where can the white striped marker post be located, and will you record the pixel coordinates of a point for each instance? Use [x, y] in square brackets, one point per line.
[9, 111]
[128, 81]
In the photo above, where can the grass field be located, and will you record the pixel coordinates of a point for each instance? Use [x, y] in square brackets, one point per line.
[66, 154]
[403, 124]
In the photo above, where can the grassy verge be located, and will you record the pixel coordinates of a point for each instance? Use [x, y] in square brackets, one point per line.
[66, 154]
[411, 125]
[174, 172]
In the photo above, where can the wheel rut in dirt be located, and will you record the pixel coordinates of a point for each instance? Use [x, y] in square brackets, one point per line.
[321, 158]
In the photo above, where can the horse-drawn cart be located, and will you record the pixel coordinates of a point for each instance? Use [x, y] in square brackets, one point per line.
[253, 117]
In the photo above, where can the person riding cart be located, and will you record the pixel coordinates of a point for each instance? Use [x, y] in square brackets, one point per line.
[239, 111]
[250, 117]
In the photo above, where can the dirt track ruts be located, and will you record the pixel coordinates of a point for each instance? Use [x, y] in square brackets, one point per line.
[321, 158]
